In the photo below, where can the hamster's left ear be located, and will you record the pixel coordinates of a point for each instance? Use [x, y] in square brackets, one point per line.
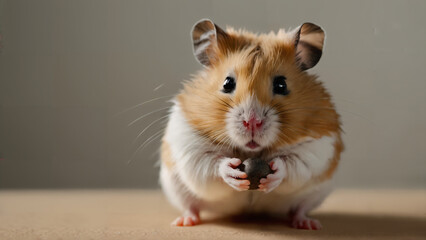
[309, 42]
[205, 36]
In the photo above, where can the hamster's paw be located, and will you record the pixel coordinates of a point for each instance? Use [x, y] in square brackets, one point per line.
[273, 180]
[185, 221]
[303, 222]
[233, 176]
[189, 218]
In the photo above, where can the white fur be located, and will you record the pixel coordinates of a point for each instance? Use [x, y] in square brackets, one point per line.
[196, 179]
[306, 160]
[238, 133]
[194, 164]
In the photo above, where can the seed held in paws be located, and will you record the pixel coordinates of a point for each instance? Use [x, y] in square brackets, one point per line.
[256, 169]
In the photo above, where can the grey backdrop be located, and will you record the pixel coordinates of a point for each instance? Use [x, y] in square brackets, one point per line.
[68, 68]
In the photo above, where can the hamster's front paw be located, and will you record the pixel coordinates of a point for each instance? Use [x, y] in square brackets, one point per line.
[273, 180]
[228, 170]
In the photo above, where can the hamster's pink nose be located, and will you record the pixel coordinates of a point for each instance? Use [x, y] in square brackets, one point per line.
[252, 124]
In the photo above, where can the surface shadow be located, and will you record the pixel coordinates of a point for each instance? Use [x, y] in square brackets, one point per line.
[335, 226]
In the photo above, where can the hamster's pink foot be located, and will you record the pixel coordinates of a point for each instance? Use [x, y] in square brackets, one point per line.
[186, 221]
[303, 222]
[189, 218]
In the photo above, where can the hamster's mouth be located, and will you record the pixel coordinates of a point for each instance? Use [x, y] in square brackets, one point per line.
[252, 145]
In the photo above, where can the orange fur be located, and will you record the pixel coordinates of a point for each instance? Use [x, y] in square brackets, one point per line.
[338, 149]
[166, 155]
[306, 112]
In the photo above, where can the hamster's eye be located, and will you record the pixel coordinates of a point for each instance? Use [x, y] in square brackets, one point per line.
[229, 85]
[279, 85]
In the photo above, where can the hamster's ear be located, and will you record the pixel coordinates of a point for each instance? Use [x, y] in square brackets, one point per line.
[204, 40]
[309, 41]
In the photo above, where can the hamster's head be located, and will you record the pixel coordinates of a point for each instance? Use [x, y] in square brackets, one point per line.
[254, 92]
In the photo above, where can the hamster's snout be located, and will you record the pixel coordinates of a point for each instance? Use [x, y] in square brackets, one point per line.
[253, 124]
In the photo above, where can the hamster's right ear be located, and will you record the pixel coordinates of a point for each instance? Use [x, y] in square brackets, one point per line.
[309, 42]
[205, 39]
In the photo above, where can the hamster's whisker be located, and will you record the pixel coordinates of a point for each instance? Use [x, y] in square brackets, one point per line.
[147, 114]
[221, 100]
[145, 143]
[326, 108]
[300, 101]
[287, 137]
[143, 103]
[303, 108]
[301, 129]
[221, 143]
[222, 110]
[225, 103]
[231, 143]
[296, 129]
[284, 141]
[214, 137]
[360, 116]
[275, 105]
[268, 148]
[218, 139]
[310, 100]
[231, 100]
[158, 87]
[158, 151]
[156, 154]
[224, 142]
[147, 127]
[269, 109]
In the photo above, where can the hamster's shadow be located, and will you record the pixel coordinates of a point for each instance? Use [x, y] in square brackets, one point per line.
[335, 226]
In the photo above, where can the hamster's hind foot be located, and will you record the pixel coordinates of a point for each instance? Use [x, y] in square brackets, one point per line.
[189, 218]
[303, 222]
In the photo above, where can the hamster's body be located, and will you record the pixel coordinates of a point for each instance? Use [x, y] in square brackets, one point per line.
[253, 100]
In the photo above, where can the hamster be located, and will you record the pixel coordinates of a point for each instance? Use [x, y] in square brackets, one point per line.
[252, 99]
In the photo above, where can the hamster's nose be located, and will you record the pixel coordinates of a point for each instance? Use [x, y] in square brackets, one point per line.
[252, 124]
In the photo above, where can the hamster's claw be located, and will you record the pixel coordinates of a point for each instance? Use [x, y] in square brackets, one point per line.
[273, 180]
[232, 176]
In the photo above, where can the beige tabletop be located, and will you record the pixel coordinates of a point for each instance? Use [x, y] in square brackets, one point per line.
[145, 214]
